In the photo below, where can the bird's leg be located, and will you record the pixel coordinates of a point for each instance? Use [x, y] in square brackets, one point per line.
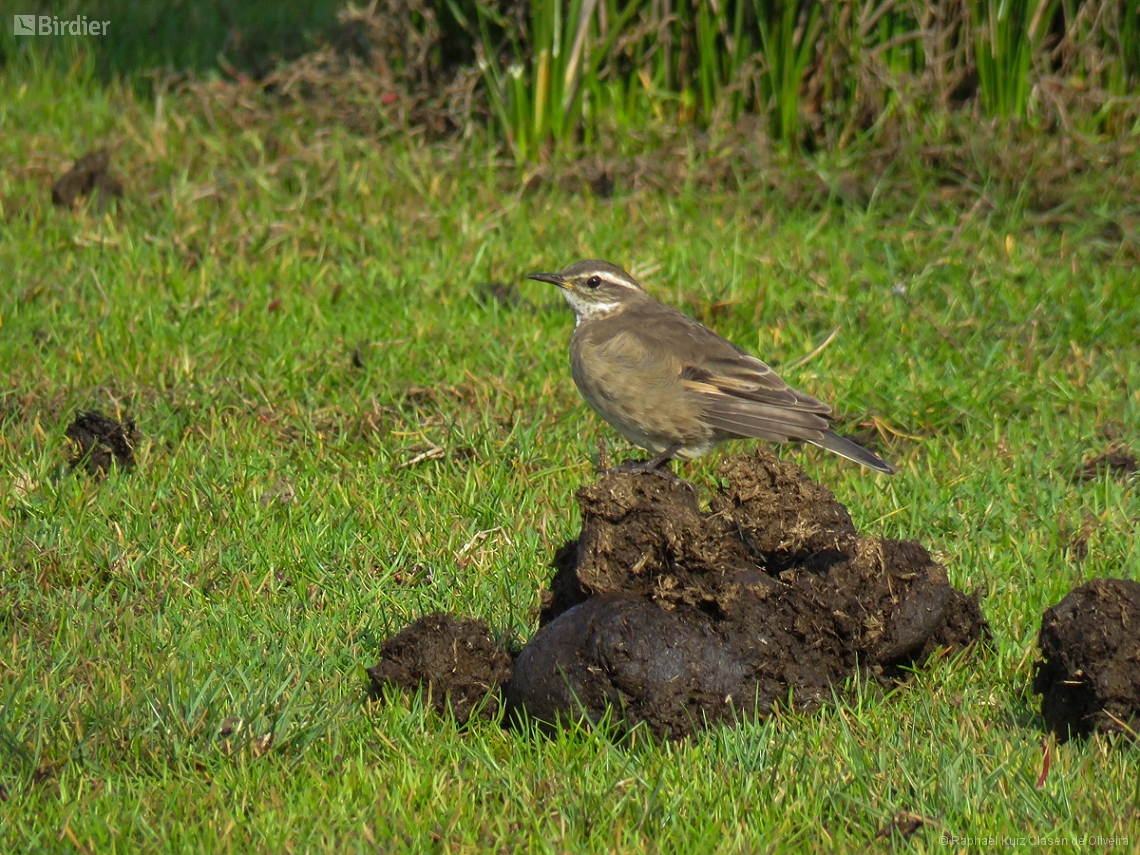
[654, 465]
[661, 459]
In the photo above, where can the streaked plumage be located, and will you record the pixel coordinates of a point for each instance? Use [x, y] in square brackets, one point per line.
[673, 386]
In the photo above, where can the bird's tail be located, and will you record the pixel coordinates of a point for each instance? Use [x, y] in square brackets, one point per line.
[846, 448]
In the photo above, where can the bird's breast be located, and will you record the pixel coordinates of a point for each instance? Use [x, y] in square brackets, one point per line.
[635, 389]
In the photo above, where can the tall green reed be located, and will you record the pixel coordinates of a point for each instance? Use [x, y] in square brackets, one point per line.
[537, 99]
[788, 32]
[1007, 36]
[579, 64]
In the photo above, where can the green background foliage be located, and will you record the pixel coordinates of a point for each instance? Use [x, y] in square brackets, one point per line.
[557, 74]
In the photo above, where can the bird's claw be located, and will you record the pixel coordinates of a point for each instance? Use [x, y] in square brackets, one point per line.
[655, 466]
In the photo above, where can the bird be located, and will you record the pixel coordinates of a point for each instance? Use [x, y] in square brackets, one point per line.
[671, 385]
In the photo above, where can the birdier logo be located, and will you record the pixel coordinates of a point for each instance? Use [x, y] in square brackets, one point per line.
[51, 25]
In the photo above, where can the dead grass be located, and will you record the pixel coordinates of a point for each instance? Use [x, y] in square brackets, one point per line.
[406, 66]
[905, 138]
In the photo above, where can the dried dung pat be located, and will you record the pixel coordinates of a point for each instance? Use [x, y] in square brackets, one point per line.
[90, 174]
[97, 441]
[451, 659]
[672, 618]
[1089, 673]
[665, 616]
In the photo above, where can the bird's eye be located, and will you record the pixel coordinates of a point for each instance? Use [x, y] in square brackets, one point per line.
[593, 282]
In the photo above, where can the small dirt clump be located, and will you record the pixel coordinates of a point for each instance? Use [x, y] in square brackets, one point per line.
[97, 441]
[452, 659]
[1089, 675]
[90, 174]
[1117, 462]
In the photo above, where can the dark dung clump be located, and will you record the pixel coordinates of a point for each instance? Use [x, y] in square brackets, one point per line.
[678, 618]
[453, 659]
[98, 441]
[1089, 673]
[671, 617]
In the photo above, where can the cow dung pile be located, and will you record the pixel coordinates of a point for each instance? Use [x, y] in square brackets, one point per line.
[664, 615]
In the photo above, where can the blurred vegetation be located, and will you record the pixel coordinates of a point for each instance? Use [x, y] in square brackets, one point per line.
[553, 76]
[185, 35]
[817, 73]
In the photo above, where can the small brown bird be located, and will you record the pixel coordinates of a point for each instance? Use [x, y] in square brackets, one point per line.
[673, 386]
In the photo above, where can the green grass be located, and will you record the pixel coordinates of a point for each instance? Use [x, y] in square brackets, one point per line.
[276, 529]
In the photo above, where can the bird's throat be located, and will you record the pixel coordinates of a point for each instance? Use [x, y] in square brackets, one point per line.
[589, 310]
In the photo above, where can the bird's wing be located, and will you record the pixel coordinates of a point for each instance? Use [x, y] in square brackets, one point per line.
[744, 376]
[743, 396]
[755, 405]
[737, 393]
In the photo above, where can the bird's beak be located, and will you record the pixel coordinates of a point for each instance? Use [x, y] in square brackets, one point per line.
[552, 278]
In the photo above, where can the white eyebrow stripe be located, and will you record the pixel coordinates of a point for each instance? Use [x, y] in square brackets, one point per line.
[617, 283]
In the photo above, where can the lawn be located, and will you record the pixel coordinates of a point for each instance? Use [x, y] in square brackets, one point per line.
[354, 410]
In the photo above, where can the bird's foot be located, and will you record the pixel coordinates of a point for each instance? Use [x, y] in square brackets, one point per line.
[645, 467]
[658, 466]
